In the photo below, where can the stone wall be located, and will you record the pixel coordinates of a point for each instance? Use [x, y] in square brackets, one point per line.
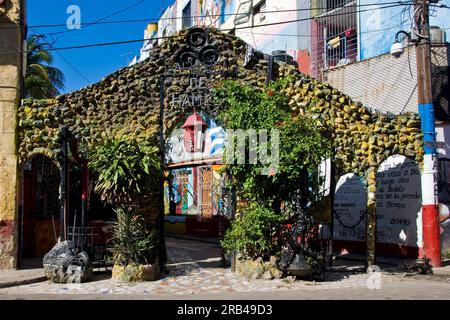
[128, 102]
[10, 82]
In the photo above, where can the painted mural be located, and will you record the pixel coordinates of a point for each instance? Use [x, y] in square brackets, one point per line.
[193, 182]
[214, 140]
[229, 6]
[167, 25]
[210, 13]
[181, 192]
[193, 191]
[379, 26]
[350, 208]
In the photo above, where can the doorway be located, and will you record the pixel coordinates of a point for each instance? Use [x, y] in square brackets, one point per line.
[39, 228]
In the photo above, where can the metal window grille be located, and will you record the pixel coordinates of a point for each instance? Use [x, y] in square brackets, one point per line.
[335, 35]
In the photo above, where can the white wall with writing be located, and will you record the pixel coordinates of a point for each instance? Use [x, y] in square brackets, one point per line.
[398, 197]
[350, 208]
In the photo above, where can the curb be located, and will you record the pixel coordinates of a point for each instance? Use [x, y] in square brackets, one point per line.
[22, 282]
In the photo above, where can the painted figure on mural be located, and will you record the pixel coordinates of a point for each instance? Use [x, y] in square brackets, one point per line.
[210, 13]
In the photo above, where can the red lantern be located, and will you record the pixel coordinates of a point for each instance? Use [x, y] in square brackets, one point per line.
[194, 129]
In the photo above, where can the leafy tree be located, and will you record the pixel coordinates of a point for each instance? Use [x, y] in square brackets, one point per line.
[286, 191]
[301, 146]
[42, 81]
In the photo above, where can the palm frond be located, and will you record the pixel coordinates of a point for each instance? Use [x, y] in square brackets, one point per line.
[42, 80]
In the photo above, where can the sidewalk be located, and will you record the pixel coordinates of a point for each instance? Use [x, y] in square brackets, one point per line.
[11, 278]
[444, 271]
[354, 262]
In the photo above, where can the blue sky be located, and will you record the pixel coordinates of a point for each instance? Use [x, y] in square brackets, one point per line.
[92, 63]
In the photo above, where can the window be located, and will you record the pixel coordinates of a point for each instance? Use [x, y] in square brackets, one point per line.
[243, 13]
[186, 16]
[259, 12]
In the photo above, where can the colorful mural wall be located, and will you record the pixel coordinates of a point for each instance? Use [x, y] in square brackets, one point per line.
[378, 27]
[193, 186]
[210, 13]
[214, 139]
[167, 25]
[229, 7]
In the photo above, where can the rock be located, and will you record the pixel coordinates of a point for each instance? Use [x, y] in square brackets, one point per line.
[66, 264]
[299, 267]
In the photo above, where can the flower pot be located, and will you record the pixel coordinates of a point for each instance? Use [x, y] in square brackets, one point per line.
[136, 272]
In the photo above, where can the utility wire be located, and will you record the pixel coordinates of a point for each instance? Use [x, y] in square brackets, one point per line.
[100, 21]
[73, 67]
[174, 36]
[312, 36]
[69, 63]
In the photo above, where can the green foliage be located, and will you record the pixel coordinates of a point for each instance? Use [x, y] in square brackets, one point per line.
[254, 233]
[301, 149]
[132, 242]
[42, 81]
[127, 169]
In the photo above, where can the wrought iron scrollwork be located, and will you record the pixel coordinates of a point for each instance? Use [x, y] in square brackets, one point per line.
[197, 38]
[198, 50]
[186, 58]
[209, 56]
[302, 251]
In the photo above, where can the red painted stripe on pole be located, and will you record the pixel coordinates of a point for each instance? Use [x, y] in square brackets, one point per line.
[431, 236]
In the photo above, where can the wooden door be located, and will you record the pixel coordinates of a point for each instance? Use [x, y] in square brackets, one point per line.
[206, 192]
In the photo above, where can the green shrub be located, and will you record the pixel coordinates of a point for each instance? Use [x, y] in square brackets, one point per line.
[254, 233]
[127, 169]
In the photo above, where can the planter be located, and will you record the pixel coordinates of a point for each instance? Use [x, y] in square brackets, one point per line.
[136, 272]
[258, 269]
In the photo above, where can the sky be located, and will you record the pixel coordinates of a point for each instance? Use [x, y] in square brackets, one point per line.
[97, 62]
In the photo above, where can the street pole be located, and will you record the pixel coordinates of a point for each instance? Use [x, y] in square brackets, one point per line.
[162, 239]
[63, 183]
[430, 212]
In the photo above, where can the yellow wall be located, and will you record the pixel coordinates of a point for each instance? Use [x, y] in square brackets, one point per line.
[10, 80]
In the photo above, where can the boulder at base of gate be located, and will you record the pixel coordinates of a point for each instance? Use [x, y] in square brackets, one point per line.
[66, 264]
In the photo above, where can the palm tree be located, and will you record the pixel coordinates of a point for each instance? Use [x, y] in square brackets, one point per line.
[42, 81]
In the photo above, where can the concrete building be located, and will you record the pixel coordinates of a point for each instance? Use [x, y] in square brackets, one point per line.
[150, 35]
[260, 23]
[12, 15]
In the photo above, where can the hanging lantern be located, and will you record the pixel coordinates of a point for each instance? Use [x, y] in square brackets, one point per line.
[194, 129]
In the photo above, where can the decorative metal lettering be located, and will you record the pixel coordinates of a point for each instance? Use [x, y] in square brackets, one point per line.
[198, 50]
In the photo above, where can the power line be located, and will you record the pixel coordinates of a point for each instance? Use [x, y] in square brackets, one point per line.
[98, 22]
[73, 67]
[312, 36]
[70, 64]
[174, 36]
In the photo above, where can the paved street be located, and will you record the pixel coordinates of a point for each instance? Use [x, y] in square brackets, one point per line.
[195, 274]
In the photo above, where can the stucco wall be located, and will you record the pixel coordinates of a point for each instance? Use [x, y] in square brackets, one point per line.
[10, 70]
[385, 83]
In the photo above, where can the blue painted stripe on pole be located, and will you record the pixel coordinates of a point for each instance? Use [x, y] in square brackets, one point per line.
[426, 111]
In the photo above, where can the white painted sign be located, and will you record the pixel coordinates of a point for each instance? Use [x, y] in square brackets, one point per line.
[350, 207]
[398, 199]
